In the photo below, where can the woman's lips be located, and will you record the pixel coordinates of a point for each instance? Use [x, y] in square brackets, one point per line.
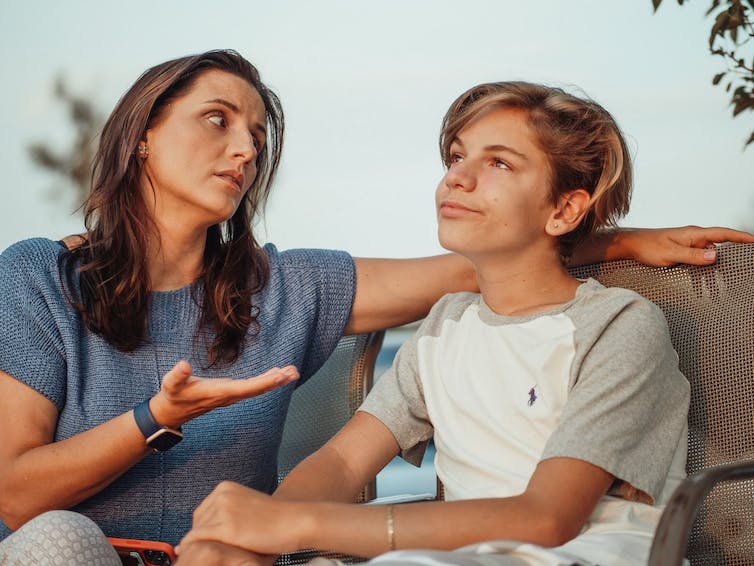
[235, 180]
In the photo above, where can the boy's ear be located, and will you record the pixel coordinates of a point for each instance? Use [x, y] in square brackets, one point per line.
[571, 208]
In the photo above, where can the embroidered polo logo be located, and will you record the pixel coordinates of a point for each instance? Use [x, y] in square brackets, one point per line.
[532, 397]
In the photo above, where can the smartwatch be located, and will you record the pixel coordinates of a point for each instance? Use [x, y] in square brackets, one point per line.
[158, 437]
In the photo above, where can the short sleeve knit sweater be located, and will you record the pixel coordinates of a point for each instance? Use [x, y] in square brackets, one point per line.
[303, 311]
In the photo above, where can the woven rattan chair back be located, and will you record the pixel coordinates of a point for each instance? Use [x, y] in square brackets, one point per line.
[710, 313]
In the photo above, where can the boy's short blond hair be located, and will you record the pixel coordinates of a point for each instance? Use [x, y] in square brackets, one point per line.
[582, 141]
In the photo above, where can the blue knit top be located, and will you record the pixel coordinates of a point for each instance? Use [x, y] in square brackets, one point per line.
[44, 344]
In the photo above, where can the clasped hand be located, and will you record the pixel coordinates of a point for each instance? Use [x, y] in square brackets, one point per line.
[236, 516]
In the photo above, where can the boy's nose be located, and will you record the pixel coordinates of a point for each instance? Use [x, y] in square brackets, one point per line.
[460, 177]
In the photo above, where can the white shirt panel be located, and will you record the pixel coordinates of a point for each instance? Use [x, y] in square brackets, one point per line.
[481, 382]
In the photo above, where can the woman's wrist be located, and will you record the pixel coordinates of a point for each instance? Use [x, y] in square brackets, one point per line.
[161, 411]
[622, 243]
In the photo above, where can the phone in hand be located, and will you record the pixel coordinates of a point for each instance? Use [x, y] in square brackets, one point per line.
[134, 552]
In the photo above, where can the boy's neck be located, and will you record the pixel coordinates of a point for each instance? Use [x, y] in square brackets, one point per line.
[515, 286]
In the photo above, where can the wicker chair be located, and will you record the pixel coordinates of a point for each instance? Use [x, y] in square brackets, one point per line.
[710, 312]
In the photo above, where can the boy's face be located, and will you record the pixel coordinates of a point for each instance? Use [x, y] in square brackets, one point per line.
[495, 196]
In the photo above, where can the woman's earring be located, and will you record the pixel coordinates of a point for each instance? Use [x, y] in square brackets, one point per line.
[143, 150]
[555, 225]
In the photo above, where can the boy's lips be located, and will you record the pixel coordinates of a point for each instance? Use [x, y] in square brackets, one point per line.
[453, 208]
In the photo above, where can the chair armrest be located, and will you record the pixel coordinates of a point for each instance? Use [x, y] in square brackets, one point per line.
[401, 498]
[672, 535]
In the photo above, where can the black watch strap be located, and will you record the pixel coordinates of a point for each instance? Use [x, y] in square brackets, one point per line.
[158, 437]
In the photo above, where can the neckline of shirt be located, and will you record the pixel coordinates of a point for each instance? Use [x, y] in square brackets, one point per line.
[487, 315]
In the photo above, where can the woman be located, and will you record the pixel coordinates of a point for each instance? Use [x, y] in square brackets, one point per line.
[102, 333]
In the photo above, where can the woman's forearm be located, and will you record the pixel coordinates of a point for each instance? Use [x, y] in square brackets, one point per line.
[392, 292]
[37, 474]
[61, 474]
[601, 246]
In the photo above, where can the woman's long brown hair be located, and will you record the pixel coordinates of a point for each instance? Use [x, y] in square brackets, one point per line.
[113, 291]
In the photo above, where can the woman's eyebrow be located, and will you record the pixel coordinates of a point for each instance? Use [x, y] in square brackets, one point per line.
[224, 102]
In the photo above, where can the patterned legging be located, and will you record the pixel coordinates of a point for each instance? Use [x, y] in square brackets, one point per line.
[58, 538]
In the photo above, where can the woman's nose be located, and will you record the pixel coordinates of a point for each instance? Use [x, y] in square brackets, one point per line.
[243, 145]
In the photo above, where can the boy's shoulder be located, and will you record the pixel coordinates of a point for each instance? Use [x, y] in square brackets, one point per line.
[618, 318]
[595, 296]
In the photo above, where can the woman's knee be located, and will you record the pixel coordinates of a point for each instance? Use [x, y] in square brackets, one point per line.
[58, 538]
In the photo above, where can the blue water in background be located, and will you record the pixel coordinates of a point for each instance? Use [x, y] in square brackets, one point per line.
[399, 477]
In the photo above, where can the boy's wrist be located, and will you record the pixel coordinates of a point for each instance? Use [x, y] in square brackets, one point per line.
[311, 523]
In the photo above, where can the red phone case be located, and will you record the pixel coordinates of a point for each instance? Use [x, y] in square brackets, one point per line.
[135, 552]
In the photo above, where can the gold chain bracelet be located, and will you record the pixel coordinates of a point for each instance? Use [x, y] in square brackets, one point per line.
[390, 528]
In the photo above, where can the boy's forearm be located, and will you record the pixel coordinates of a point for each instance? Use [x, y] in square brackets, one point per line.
[343, 466]
[320, 477]
[561, 495]
[365, 530]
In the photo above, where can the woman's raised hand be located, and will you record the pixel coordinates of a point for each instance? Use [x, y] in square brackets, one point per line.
[184, 396]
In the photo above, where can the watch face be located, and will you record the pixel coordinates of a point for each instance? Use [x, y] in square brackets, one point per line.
[164, 439]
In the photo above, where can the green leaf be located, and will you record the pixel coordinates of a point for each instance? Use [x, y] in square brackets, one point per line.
[718, 77]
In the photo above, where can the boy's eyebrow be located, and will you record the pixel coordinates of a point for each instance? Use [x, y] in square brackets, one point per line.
[228, 104]
[494, 147]
[500, 147]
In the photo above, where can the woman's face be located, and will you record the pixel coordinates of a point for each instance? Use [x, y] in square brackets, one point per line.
[203, 150]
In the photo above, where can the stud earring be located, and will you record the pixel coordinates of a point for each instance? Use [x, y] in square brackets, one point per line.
[143, 150]
[555, 225]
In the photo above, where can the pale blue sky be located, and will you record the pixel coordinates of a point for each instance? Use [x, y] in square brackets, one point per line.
[364, 87]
